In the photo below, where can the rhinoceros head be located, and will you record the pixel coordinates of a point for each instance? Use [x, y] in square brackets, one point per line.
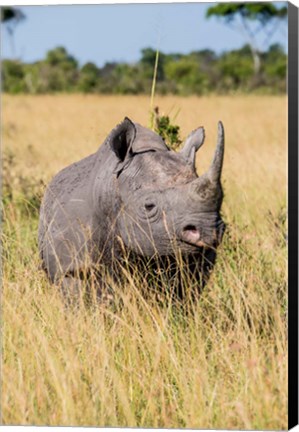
[164, 204]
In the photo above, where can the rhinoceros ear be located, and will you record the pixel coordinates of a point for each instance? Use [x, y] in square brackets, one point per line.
[122, 137]
[193, 142]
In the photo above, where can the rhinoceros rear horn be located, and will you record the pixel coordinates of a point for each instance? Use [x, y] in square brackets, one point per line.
[122, 137]
[215, 169]
[193, 142]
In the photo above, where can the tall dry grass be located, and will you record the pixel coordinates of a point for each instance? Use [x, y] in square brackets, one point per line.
[145, 364]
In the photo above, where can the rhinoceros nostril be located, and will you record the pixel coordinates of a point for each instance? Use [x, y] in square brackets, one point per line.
[190, 228]
[190, 234]
[149, 207]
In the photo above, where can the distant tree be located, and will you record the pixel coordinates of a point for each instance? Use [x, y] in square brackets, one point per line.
[275, 67]
[173, 57]
[187, 76]
[11, 17]
[9, 14]
[13, 76]
[108, 69]
[250, 19]
[107, 80]
[127, 79]
[60, 57]
[236, 69]
[88, 78]
[58, 72]
[207, 60]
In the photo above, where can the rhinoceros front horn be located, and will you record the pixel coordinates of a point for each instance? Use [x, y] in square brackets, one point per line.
[214, 172]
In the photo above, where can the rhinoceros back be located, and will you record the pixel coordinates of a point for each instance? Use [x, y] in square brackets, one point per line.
[64, 217]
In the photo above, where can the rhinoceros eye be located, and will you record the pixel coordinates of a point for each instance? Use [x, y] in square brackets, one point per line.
[149, 207]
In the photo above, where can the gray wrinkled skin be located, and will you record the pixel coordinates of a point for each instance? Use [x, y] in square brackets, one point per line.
[134, 195]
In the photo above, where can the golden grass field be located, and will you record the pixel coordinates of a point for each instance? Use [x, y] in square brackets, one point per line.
[144, 364]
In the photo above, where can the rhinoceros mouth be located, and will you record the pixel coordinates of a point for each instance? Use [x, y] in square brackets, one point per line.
[198, 248]
[187, 248]
[193, 236]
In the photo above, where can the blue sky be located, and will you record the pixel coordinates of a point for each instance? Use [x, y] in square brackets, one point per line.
[106, 33]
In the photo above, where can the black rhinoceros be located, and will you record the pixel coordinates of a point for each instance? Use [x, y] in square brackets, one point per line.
[135, 195]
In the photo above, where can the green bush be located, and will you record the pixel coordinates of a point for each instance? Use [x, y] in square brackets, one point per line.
[88, 78]
[13, 76]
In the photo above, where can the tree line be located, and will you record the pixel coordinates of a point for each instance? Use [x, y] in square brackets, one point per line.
[199, 72]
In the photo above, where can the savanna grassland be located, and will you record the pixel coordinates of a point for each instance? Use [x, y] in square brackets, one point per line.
[147, 364]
